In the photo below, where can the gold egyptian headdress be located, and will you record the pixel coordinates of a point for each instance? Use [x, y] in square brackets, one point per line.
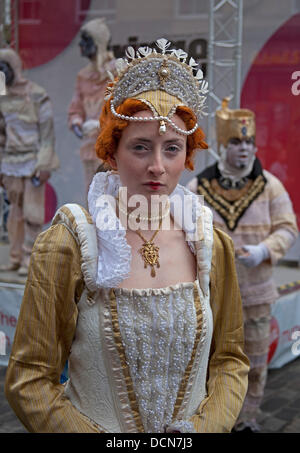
[237, 123]
[162, 80]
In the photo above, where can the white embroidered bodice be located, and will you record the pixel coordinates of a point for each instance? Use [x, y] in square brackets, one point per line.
[158, 328]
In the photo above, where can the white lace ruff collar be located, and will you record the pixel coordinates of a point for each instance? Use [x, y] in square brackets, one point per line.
[114, 253]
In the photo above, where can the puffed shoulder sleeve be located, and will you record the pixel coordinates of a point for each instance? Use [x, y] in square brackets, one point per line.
[43, 337]
[228, 366]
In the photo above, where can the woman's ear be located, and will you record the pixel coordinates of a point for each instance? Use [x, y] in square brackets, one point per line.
[112, 162]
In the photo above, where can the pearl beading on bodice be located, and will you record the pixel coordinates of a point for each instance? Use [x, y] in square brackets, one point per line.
[158, 328]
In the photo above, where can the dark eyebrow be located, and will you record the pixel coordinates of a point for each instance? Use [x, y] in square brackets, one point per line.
[140, 139]
[146, 140]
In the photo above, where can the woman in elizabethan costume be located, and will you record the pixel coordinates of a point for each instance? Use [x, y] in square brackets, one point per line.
[139, 294]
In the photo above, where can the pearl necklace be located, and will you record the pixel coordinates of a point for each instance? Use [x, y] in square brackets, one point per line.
[141, 218]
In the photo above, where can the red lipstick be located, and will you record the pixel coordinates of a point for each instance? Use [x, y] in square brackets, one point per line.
[155, 185]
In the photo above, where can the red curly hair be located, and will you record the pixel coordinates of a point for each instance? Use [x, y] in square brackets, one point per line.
[111, 129]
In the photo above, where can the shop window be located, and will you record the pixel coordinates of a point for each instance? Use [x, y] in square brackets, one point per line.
[30, 12]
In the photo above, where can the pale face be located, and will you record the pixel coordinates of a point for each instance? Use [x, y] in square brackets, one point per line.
[149, 163]
[239, 152]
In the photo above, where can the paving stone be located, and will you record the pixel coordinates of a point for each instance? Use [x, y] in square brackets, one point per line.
[287, 414]
[268, 393]
[291, 376]
[295, 383]
[273, 404]
[290, 394]
[278, 383]
[4, 406]
[261, 417]
[11, 428]
[293, 426]
[272, 425]
[295, 404]
[3, 402]
[8, 417]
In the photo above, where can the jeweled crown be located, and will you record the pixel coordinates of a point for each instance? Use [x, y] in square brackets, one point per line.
[147, 71]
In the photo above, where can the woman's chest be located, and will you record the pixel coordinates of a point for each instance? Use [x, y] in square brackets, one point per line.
[159, 263]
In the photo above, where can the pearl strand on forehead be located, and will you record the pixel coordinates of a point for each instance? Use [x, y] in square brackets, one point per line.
[151, 118]
[141, 218]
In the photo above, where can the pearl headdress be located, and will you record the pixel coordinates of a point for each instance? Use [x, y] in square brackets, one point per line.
[163, 81]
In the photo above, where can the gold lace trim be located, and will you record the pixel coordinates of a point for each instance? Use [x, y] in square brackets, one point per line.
[185, 379]
[125, 368]
[231, 212]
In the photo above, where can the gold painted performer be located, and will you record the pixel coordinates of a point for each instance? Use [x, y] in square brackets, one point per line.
[140, 293]
[254, 209]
